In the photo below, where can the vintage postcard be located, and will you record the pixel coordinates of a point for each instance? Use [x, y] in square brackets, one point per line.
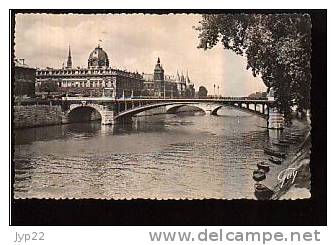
[173, 106]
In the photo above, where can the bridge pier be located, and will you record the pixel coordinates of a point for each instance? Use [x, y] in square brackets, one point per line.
[107, 117]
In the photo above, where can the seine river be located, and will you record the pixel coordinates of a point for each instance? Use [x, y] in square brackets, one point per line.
[164, 156]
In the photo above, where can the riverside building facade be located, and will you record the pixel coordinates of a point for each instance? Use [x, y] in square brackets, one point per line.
[98, 79]
[24, 79]
[161, 85]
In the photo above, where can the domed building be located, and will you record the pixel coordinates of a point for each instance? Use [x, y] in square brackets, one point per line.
[98, 58]
[98, 79]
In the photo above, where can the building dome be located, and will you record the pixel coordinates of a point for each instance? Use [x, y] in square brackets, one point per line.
[98, 58]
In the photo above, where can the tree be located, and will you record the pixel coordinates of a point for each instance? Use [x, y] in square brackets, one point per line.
[202, 92]
[277, 47]
[48, 86]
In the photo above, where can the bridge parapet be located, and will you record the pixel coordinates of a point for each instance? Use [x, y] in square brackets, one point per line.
[157, 100]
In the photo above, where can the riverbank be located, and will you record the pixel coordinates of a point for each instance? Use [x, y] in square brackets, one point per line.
[300, 187]
[168, 156]
[27, 116]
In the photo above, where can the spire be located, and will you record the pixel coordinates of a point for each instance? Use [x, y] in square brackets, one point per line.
[158, 60]
[187, 78]
[182, 77]
[69, 61]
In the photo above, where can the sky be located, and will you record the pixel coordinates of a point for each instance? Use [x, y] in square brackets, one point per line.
[133, 42]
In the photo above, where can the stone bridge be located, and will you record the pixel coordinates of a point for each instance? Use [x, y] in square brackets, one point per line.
[110, 110]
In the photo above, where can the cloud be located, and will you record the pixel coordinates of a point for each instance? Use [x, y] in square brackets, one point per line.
[133, 42]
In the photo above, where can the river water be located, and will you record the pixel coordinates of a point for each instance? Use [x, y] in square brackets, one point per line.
[164, 156]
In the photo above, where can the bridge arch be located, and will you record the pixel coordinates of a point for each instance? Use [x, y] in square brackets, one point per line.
[84, 113]
[246, 110]
[172, 107]
[133, 111]
[214, 108]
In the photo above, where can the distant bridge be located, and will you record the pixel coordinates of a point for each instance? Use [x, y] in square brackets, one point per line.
[111, 109]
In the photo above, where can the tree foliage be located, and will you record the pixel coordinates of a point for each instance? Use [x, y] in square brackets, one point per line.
[202, 92]
[277, 48]
[48, 86]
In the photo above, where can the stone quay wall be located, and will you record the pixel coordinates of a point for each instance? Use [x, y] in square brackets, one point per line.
[37, 115]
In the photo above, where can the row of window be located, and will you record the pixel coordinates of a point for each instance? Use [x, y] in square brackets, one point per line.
[86, 84]
[72, 72]
[83, 72]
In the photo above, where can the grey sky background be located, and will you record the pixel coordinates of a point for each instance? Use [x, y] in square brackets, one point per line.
[133, 42]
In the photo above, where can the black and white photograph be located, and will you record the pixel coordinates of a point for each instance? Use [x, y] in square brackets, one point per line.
[174, 106]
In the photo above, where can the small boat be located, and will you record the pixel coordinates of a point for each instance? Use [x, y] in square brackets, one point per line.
[259, 175]
[275, 153]
[285, 141]
[293, 138]
[262, 192]
[281, 144]
[263, 166]
[275, 160]
[296, 135]
[288, 124]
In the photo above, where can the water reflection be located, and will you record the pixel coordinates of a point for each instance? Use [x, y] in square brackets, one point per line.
[164, 156]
